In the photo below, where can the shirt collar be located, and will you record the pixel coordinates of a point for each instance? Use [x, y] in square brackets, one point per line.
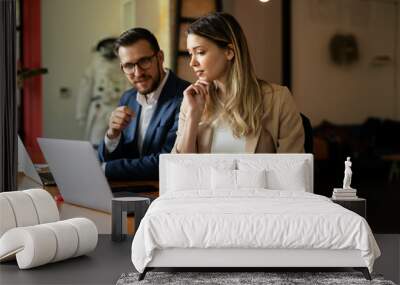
[152, 97]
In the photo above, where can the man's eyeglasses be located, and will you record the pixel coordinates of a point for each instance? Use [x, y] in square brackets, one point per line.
[143, 63]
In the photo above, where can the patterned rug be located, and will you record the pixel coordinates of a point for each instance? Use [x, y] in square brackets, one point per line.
[243, 278]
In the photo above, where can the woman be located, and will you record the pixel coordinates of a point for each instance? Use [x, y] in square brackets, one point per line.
[229, 110]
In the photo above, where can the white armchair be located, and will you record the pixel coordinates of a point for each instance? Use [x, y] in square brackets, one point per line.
[31, 232]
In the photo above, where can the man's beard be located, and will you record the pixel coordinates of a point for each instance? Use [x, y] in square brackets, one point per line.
[156, 81]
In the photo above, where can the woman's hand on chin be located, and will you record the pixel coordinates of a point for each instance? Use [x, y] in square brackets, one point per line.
[195, 96]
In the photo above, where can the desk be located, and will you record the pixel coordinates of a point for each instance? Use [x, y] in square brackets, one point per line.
[53, 190]
[104, 265]
[25, 182]
[101, 219]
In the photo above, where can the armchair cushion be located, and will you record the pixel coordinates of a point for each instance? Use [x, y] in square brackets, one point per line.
[26, 208]
[40, 244]
[31, 232]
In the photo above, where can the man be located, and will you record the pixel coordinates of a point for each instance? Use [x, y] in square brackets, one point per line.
[145, 123]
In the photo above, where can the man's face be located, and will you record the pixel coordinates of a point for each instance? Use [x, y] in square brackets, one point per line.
[142, 66]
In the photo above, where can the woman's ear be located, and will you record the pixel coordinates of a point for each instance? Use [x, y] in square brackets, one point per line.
[230, 54]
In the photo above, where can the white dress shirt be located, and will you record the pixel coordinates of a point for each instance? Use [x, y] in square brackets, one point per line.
[224, 142]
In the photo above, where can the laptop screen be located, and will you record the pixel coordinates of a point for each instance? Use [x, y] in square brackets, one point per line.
[77, 172]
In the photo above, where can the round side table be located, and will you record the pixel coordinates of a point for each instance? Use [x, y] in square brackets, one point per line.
[121, 206]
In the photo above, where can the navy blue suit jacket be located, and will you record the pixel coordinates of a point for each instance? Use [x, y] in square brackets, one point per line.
[125, 162]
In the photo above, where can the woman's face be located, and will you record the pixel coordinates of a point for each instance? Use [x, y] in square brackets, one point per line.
[208, 61]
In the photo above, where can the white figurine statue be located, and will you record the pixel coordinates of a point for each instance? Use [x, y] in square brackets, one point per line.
[347, 174]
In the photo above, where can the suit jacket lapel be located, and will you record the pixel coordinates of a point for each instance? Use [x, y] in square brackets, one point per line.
[161, 109]
[132, 128]
[164, 101]
[251, 142]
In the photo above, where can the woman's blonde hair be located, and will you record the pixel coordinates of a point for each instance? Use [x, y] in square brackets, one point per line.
[243, 108]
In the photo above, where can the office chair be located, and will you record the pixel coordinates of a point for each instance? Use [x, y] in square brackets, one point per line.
[308, 134]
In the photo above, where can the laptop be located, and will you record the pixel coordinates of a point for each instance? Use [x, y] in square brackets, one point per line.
[78, 173]
[25, 164]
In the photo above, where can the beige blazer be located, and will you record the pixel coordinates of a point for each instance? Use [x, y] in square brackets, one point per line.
[282, 128]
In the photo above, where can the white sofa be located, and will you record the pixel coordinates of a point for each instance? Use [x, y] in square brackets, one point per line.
[210, 176]
[31, 233]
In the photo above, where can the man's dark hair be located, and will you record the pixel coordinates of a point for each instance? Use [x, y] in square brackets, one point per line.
[133, 35]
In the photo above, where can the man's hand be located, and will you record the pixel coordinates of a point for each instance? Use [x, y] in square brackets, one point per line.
[119, 120]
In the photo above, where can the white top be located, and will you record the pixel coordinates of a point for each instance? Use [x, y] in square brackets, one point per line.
[148, 107]
[225, 142]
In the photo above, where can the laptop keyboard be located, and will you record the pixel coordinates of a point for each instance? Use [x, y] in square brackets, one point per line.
[47, 178]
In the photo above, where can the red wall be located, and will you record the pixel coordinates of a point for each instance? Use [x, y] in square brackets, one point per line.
[31, 58]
